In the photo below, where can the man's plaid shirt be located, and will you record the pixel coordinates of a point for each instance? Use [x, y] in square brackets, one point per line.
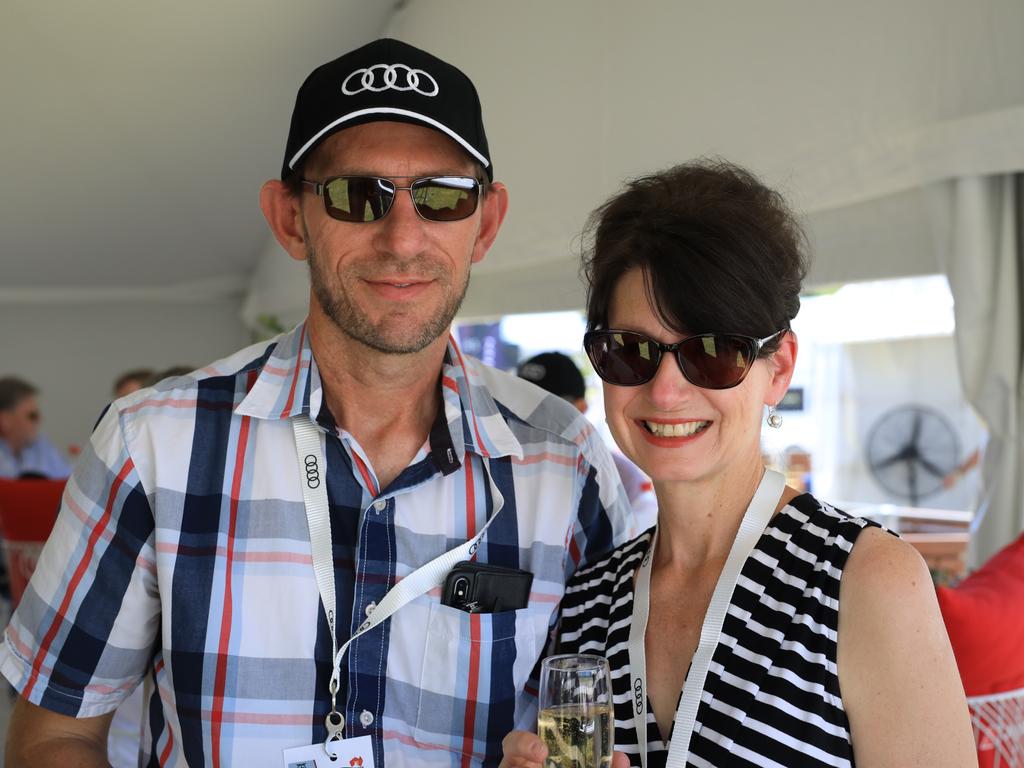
[182, 553]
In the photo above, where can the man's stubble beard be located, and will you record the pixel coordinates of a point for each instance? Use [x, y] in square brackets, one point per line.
[354, 323]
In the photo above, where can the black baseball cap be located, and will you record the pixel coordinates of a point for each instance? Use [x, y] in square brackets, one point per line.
[556, 373]
[386, 80]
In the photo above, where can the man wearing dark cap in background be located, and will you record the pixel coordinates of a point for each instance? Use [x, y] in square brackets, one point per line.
[270, 541]
[556, 373]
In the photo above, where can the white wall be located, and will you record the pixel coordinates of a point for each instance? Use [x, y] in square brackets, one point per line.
[73, 352]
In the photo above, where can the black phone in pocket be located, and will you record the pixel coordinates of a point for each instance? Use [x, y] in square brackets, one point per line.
[480, 588]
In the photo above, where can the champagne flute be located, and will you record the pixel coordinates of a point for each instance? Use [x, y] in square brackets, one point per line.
[575, 719]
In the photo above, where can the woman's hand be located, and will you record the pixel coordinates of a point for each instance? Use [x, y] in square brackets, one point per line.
[523, 749]
[526, 750]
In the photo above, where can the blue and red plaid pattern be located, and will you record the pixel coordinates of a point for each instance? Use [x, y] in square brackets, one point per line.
[182, 553]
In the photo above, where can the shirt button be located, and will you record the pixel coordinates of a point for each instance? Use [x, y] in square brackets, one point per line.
[370, 609]
[380, 505]
[366, 718]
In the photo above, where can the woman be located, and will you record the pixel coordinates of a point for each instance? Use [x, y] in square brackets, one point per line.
[831, 650]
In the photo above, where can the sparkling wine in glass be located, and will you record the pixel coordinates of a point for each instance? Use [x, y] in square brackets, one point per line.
[575, 718]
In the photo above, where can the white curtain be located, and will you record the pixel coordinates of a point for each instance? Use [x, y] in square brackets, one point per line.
[986, 274]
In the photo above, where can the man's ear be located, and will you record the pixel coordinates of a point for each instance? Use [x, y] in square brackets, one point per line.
[782, 364]
[494, 206]
[284, 215]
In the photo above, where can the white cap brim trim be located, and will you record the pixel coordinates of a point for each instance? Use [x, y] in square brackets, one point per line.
[387, 111]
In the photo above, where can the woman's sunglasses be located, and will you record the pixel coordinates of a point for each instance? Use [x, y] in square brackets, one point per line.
[369, 198]
[707, 360]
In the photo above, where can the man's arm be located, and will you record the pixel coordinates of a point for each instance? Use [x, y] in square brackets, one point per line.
[38, 737]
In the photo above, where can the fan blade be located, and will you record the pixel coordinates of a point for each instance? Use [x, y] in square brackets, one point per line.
[915, 433]
[895, 458]
[931, 468]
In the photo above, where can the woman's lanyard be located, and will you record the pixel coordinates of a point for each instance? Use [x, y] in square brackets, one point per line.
[755, 519]
[313, 472]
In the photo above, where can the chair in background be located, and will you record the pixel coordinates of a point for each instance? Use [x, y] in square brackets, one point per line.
[998, 722]
[984, 617]
[28, 510]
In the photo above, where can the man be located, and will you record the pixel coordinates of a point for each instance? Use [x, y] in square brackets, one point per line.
[556, 373]
[132, 381]
[23, 451]
[197, 519]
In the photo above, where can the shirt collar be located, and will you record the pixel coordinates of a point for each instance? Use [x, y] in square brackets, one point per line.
[283, 387]
[288, 384]
[474, 418]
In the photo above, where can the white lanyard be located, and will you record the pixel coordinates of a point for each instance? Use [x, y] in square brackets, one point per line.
[313, 472]
[755, 519]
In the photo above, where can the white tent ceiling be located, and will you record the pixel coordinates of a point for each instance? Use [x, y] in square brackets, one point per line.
[852, 109]
[136, 135]
[840, 104]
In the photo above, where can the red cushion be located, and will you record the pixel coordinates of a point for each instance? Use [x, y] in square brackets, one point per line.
[28, 509]
[984, 616]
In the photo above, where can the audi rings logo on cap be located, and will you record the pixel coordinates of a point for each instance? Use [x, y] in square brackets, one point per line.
[312, 472]
[389, 77]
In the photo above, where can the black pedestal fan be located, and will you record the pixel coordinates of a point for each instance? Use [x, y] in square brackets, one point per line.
[910, 449]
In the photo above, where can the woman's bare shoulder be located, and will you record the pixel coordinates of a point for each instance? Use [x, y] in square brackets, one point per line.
[898, 677]
[884, 569]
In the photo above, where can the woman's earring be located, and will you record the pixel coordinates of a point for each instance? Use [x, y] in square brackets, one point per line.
[773, 420]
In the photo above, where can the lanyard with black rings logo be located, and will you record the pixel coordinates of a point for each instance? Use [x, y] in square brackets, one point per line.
[313, 475]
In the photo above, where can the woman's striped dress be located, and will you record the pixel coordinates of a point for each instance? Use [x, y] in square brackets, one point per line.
[772, 693]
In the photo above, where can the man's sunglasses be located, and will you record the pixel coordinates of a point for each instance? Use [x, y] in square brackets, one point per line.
[369, 198]
[707, 360]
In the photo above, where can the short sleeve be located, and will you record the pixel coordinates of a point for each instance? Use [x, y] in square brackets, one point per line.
[83, 634]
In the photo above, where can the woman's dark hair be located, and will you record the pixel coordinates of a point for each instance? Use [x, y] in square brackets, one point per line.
[720, 251]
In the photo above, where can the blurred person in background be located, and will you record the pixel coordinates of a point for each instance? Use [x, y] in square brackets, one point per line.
[24, 450]
[132, 381]
[168, 373]
[556, 373]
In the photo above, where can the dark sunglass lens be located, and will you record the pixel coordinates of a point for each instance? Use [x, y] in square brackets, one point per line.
[358, 198]
[716, 361]
[625, 359]
[445, 198]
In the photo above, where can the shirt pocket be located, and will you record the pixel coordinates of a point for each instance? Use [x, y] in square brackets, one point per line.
[475, 667]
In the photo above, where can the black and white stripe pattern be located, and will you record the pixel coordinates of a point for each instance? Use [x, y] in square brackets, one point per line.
[772, 693]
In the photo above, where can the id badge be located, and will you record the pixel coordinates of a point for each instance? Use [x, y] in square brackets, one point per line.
[350, 753]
